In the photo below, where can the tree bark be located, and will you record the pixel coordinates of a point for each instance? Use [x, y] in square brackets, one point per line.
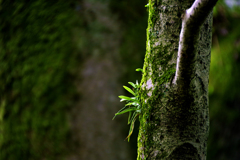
[174, 123]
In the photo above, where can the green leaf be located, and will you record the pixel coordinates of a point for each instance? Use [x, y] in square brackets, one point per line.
[137, 83]
[129, 117]
[132, 84]
[133, 116]
[139, 69]
[114, 117]
[120, 111]
[131, 127]
[139, 106]
[129, 90]
[136, 103]
[147, 5]
[127, 110]
[139, 110]
[125, 98]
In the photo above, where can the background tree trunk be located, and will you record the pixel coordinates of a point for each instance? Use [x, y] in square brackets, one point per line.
[97, 135]
[174, 123]
[61, 68]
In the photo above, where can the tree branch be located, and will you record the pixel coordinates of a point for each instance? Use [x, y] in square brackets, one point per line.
[193, 18]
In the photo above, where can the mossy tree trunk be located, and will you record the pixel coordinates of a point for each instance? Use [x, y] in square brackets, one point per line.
[174, 123]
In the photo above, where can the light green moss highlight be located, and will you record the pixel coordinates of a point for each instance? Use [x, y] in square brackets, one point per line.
[154, 60]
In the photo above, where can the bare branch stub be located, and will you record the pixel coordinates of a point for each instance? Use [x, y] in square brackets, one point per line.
[193, 18]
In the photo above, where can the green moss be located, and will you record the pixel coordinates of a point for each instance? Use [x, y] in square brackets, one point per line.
[156, 57]
[37, 56]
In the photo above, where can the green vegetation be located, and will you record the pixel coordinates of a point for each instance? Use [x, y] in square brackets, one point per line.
[133, 105]
[224, 84]
[37, 61]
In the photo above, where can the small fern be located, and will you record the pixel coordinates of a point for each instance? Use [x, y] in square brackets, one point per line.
[133, 105]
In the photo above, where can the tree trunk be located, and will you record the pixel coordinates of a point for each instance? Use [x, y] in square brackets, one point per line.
[39, 77]
[95, 134]
[174, 123]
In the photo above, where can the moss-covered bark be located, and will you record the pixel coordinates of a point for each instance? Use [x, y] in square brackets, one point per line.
[174, 123]
[37, 56]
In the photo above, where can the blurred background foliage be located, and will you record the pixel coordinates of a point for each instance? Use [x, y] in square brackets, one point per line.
[224, 84]
[34, 69]
[46, 47]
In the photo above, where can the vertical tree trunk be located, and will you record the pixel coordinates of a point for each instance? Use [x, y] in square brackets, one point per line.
[38, 66]
[174, 123]
[97, 136]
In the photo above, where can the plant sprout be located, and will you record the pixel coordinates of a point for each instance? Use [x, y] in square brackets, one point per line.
[133, 105]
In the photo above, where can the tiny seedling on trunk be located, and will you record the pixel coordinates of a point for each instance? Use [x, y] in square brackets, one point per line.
[133, 105]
